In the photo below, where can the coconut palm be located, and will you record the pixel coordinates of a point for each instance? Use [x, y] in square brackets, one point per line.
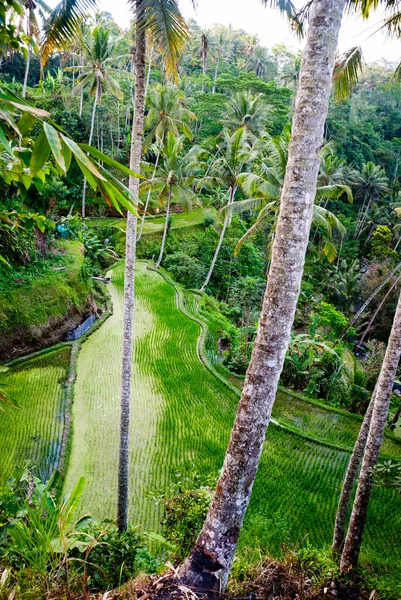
[164, 21]
[98, 73]
[381, 403]
[167, 112]
[32, 9]
[208, 565]
[235, 152]
[371, 185]
[249, 111]
[264, 187]
[172, 181]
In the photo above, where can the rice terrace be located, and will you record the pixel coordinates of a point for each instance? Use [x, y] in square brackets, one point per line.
[200, 300]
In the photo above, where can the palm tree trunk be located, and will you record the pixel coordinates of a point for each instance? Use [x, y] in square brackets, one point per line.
[129, 281]
[81, 98]
[384, 387]
[159, 260]
[227, 219]
[26, 75]
[145, 208]
[216, 70]
[369, 300]
[90, 143]
[378, 309]
[149, 71]
[209, 563]
[350, 479]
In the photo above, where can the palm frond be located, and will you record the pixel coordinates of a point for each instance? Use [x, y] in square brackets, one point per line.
[165, 23]
[334, 191]
[346, 72]
[63, 24]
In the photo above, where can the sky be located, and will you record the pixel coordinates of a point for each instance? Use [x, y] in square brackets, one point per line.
[272, 28]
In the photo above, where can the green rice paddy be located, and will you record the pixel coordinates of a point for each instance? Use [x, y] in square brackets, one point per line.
[34, 433]
[181, 417]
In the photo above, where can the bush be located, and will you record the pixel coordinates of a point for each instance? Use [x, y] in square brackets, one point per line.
[185, 269]
[186, 505]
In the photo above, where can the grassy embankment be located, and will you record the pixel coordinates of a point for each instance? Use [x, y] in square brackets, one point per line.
[37, 309]
[181, 419]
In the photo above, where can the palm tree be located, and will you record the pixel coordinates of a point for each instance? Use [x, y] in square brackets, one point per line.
[163, 19]
[54, 29]
[208, 564]
[249, 111]
[236, 152]
[371, 184]
[381, 403]
[349, 481]
[167, 112]
[172, 181]
[33, 29]
[264, 187]
[99, 73]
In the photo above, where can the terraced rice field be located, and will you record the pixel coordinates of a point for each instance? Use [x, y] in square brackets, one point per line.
[34, 433]
[156, 224]
[181, 420]
[181, 416]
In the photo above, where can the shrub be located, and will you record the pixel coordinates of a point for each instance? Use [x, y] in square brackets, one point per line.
[185, 269]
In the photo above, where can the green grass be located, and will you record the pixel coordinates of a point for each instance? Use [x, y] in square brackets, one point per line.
[46, 297]
[34, 433]
[156, 224]
[181, 420]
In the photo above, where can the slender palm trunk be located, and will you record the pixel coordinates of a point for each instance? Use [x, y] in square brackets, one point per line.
[90, 142]
[226, 223]
[129, 281]
[350, 479]
[145, 208]
[81, 97]
[159, 260]
[27, 67]
[209, 563]
[369, 300]
[378, 309]
[149, 71]
[216, 71]
[384, 387]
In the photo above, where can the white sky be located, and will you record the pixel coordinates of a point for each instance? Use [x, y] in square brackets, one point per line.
[272, 28]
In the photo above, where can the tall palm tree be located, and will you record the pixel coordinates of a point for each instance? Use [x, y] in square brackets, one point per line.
[236, 152]
[208, 564]
[33, 29]
[172, 181]
[382, 395]
[163, 19]
[51, 28]
[264, 187]
[247, 110]
[371, 184]
[98, 73]
[167, 112]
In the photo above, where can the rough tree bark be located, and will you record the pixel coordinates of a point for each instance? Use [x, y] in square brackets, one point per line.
[129, 281]
[227, 221]
[350, 479]
[384, 387]
[209, 563]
